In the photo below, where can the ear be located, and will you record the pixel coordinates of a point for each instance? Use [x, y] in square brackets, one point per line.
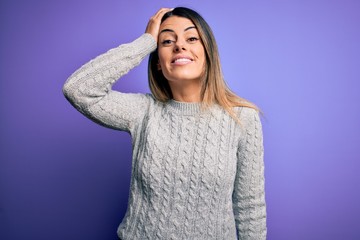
[158, 66]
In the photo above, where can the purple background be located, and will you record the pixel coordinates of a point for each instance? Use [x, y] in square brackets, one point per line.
[64, 177]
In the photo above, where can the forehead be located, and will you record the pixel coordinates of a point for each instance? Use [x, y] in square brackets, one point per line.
[176, 23]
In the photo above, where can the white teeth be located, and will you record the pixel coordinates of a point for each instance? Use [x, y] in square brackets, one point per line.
[182, 60]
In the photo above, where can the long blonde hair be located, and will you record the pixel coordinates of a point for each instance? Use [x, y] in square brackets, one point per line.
[214, 88]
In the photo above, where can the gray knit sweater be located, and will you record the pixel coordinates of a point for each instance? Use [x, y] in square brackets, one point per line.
[196, 174]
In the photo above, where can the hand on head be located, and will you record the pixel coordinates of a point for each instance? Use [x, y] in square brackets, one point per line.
[153, 25]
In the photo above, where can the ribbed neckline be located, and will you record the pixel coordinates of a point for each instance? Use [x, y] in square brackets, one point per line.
[185, 108]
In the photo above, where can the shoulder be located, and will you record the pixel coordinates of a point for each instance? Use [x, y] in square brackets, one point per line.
[134, 102]
[132, 98]
[150, 101]
[246, 113]
[249, 117]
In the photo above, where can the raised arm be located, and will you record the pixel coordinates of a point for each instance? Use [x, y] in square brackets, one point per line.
[249, 193]
[89, 88]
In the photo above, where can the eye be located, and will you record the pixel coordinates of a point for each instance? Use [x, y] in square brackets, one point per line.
[167, 42]
[193, 39]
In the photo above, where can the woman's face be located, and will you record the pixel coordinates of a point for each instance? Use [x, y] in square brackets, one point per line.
[181, 52]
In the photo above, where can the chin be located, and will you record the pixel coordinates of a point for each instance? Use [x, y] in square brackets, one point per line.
[182, 77]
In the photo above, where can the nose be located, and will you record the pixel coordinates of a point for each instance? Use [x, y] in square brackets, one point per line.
[179, 46]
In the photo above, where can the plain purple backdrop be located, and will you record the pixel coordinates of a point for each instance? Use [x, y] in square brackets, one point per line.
[64, 177]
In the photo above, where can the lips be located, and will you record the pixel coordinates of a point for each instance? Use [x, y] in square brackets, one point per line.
[181, 60]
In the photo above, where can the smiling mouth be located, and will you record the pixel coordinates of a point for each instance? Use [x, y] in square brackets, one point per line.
[181, 61]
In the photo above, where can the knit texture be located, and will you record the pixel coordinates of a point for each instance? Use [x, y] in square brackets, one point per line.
[196, 173]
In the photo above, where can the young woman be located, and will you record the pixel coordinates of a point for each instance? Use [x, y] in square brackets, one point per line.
[197, 168]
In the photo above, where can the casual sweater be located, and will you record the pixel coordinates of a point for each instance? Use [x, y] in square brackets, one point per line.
[196, 172]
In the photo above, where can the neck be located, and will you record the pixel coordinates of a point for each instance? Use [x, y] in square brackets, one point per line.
[186, 92]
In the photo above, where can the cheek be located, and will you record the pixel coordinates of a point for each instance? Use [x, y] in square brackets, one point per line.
[200, 53]
[163, 56]
[202, 57]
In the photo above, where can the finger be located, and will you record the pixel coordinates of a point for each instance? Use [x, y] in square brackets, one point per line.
[154, 22]
[161, 12]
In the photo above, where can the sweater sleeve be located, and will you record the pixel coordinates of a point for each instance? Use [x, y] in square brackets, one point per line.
[89, 88]
[249, 191]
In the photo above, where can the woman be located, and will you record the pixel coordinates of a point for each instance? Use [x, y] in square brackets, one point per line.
[197, 170]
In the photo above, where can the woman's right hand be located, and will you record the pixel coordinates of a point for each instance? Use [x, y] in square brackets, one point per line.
[153, 25]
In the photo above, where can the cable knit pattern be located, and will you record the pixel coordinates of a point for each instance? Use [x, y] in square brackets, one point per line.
[196, 173]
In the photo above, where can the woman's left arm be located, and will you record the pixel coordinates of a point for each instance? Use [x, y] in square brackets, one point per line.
[249, 187]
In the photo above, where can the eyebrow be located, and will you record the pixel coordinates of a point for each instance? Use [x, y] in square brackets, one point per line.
[170, 30]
